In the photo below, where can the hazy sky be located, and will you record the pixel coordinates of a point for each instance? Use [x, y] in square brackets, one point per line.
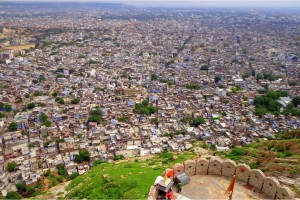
[264, 3]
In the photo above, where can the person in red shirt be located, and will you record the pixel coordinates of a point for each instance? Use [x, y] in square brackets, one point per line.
[170, 195]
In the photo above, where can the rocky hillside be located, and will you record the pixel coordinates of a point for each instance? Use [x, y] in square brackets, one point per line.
[278, 158]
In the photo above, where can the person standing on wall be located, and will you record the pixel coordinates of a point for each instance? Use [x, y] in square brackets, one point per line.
[179, 187]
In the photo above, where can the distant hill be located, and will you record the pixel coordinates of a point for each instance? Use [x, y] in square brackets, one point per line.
[61, 5]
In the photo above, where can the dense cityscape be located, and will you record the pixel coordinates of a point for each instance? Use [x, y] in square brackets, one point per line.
[107, 82]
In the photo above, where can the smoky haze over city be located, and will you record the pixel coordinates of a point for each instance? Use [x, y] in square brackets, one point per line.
[149, 99]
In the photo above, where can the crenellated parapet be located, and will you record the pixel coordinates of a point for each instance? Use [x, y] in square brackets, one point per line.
[228, 168]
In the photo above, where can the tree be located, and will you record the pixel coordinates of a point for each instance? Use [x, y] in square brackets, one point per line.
[42, 78]
[204, 67]
[260, 111]
[47, 123]
[296, 101]
[96, 111]
[154, 120]
[74, 175]
[46, 144]
[11, 166]
[197, 121]
[277, 94]
[2, 115]
[43, 117]
[154, 77]
[144, 108]
[213, 147]
[31, 105]
[234, 89]
[75, 101]
[21, 187]
[119, 157]
[84, 155]
[13, 126]
[192, 86]
[12, 195]
[59, 100]
[61, 170]
[7, 108]
[294, 82]
[259, 76]
[122, 119]
[95, 118]
[60, 70]
[217, 78]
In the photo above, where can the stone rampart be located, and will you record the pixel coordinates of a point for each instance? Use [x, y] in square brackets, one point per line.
[270, 186]
[228, 168]
[190, 167]
[202, 166]
[257, 178]
[216, 166]
[178, 169]
[243, 172]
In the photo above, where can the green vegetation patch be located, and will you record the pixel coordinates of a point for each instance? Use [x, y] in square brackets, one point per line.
[192, 86]
[144, 108]
[122, 180]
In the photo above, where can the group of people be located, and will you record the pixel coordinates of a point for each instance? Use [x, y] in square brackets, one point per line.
[170, 195]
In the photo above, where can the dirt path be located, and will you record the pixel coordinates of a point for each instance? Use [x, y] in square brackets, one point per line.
[55, 192]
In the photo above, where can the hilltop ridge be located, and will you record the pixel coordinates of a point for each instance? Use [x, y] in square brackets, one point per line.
[133, 177]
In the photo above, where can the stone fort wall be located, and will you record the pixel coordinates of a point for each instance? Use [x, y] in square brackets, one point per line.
[228, 168]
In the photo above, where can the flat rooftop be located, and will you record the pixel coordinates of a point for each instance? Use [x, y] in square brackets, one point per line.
[210, 187]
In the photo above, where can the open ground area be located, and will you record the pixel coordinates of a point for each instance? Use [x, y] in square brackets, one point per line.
[210, 187]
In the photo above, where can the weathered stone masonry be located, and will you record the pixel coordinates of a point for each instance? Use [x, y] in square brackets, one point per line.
[228, 168]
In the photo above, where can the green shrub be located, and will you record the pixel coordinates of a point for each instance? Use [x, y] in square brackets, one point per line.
[119, 157]
[12, 195]
[213, 147]
[197, 121]
[97, 162]
[61, 170]
[192, 86]
[293, 172]
[122, 119]
[74, 175]
[11, 166]
[204, 145]
[75, 101]
[60, 179]
[47, 173]
[288, 154]
[31, 105]
[84, 155]
[21, 186]
[13, 126]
